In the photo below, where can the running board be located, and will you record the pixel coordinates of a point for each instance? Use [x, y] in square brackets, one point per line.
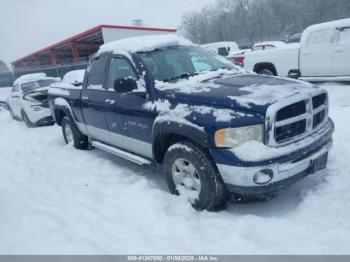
[123, 154]
[326, 78]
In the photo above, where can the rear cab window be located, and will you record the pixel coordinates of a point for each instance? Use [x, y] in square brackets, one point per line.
[344, 35]
[96, 73]
[319, 38]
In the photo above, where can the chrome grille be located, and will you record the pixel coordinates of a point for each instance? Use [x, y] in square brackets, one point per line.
[296, 118]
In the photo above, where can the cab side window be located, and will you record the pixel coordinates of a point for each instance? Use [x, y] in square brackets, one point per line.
[223, 51]
[344, 36]
[96, 73]
[321, 37]
[122, 77]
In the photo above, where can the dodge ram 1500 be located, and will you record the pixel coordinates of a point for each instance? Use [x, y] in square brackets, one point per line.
[214, 127]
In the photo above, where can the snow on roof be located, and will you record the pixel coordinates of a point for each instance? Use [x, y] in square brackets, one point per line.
[29, 78]
[274, 43]
[144, 43]
[75, 76]
[223, 44]
[326, 25]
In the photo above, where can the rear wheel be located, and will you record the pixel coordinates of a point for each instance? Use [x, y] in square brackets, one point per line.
[266, 71]
[71, 134]
[190, 173]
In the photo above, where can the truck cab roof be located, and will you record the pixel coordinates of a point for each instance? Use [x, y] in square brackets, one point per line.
[144, 43]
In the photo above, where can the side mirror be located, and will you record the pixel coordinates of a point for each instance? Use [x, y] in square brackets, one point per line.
[125, 85]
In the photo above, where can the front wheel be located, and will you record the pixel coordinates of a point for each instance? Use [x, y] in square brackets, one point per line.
[71, 134]
[190, 173]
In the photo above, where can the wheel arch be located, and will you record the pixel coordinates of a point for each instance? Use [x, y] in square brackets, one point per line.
[167, 134]
[265, 65]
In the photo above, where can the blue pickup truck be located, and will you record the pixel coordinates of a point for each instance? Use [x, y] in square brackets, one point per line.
[214, 127]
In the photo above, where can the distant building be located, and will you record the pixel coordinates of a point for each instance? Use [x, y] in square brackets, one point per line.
[74, 52]
[6, 76]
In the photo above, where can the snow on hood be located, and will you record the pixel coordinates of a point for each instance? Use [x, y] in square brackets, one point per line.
[144, 43]
[250, 91]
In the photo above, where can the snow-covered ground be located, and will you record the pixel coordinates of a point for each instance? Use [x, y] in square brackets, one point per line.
[4, 92]
[55, 199]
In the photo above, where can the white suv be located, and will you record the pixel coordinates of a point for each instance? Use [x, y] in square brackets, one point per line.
[28, 99]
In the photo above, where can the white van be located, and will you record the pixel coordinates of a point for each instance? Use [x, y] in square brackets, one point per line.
[323, 55]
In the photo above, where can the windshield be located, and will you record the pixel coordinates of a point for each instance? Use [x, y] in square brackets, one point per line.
[178, 62]
[27, 87]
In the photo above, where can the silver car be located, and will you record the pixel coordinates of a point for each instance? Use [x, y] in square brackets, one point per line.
[28, 99]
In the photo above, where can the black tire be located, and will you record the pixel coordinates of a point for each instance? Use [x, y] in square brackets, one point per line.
[26, 120]
[212, 190]
[266, 71]
[80, 141]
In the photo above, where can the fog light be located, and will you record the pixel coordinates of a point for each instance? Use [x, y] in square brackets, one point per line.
[37, 108]
[263, 176]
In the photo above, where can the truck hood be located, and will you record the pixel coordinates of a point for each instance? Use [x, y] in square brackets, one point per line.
[250, 92]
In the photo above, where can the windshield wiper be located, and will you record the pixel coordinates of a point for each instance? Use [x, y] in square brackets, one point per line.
[182, 76]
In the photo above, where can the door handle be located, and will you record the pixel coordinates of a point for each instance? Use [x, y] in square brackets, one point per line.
[15, 96]
[110, 101]
[84, 98]
[306, 53]
[340, 50]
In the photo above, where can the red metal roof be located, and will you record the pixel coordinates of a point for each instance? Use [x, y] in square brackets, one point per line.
[88, 32]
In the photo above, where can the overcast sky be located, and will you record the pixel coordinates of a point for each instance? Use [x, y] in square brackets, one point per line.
[29, 25]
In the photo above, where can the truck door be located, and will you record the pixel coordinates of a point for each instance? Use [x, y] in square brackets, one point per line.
[93, 99]
[342, 53]
[129, 124]
[316, 54]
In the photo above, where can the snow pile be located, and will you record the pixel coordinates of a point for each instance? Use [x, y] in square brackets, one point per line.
[182, 111]
[197, 83]
[144, 43]
[74, 77]
[58, 200]
[268, 94]
[4, 93]
[29, 78]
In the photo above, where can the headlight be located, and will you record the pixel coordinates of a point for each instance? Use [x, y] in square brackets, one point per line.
[233, 137]
[36, 108]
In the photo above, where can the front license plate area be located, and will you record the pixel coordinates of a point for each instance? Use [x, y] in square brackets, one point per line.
[320, 162]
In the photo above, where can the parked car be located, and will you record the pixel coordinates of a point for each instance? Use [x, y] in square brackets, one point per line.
[323, 55]
[28, 100]
[222, 48]
[214, 127]
[238, 57]
[296, 38]
[268, 45]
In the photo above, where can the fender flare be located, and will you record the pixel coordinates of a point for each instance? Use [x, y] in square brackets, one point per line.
[183, 131]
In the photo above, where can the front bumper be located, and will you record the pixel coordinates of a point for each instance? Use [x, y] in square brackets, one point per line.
[287, 169]
[41, 117]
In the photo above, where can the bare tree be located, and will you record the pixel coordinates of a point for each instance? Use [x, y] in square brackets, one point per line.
[248, 21]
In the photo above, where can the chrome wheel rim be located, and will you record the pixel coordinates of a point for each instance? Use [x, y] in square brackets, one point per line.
[186, 178]
[69, 133]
